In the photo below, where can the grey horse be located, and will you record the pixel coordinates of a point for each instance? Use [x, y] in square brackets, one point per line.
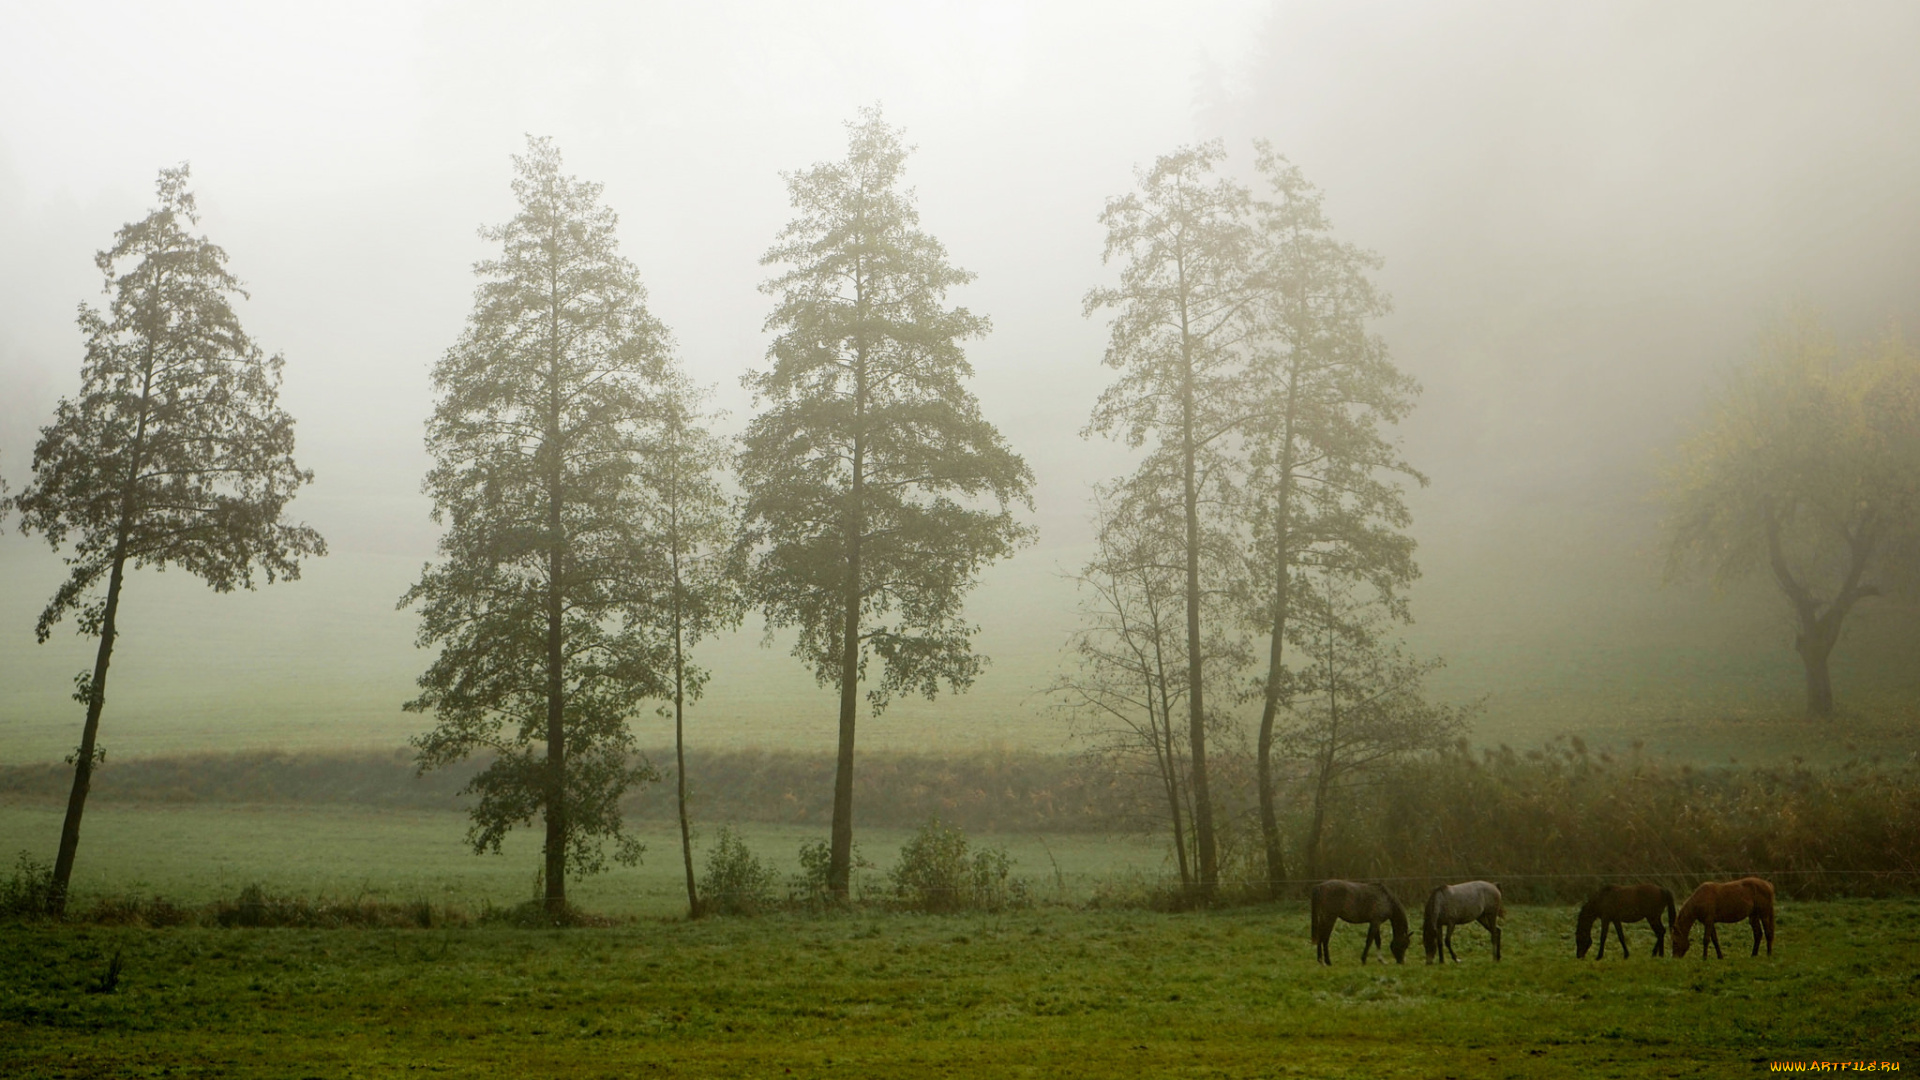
[1450, 905]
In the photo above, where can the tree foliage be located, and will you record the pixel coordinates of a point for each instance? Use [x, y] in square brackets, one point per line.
[544, 602]
[1808, 466]
[1355, 698]
[874, 489]
[175, 452]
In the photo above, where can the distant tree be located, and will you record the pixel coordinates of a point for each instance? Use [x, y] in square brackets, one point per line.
[1356, 702]
[175, 453]
[544, 602]
[685, 537]
[1809, 466]
[1178, 337]
[874, 489]
[1322, 495]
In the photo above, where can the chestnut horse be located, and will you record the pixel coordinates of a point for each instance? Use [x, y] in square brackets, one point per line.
[1615, 905]
[1750, 898]
[1357, 902]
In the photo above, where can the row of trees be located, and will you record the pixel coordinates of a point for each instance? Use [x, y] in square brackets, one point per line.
[596, 529]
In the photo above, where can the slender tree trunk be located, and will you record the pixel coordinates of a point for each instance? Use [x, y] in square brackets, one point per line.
[556, 808]
[1316, 866]
[97, 687]
[679, 715]
[1196, 704]
[1170, 777]
[840, 850]
[1270, 707]
[83, 761]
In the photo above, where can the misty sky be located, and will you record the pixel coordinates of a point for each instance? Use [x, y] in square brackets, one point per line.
[1586, 210]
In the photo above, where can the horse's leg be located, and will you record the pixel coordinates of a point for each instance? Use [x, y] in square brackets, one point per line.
[1491, 922]
[1602, 954]
[1659, 935]
[1713, 932]
[1754, 922]
[1450, 952]
[1621, 929]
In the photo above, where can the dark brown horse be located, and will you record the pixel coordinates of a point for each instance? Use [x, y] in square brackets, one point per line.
[1750, 898]
[1615, 905]
[1357, 902]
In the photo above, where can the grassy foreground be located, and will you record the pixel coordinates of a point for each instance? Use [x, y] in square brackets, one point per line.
[1051, 992]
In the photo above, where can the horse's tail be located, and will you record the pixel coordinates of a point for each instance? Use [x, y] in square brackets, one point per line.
[1667, 895]
[1430, 918]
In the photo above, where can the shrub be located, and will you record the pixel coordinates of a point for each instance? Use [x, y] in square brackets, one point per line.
[736, 881]
[935, 873]
[809, 886]
[29, 892]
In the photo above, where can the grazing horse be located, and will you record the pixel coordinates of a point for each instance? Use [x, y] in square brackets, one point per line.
[1450, 905]
[1615, 905]
[1750, 898]
[1357, 902]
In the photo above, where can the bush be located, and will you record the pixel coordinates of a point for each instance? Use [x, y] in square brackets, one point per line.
[28, 893]
[935, 873]
[736, 881]
[531, 915]
[809, 886]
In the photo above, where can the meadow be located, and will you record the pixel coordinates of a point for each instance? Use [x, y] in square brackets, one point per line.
[1053, 991]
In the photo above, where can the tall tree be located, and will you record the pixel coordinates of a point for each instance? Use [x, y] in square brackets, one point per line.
[686, 535]
[1323, 494]
[1806, 467]
[175, 453]
[540, 602]
[1177, 338]
[874, 489]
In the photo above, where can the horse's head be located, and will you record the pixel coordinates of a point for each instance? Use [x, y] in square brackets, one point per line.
[1401, 939]
[1583, 932]
[1682, 929]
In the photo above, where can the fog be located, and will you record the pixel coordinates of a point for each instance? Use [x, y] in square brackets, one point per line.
[1586, 215]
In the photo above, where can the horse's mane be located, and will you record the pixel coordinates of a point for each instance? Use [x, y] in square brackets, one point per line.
[1395, 910]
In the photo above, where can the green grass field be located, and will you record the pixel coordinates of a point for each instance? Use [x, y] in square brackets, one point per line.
[1048, 992]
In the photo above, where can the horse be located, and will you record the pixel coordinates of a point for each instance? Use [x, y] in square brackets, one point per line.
[1615, 905]
[1357, 902]
[1450, 905]
[1749, 898]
